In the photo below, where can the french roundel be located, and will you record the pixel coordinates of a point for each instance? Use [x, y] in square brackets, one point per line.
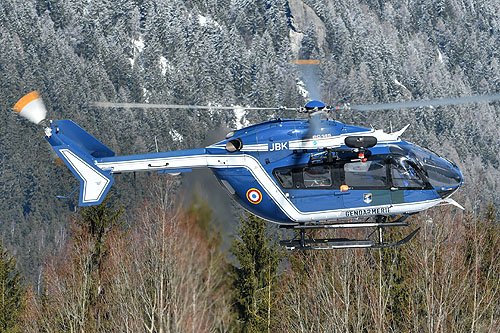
[254, 195]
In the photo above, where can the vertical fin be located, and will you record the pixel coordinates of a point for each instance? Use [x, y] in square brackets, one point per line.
[95, 184]
[75, 147]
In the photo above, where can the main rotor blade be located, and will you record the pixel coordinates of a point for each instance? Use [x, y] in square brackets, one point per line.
[177, 106]
[424, 103]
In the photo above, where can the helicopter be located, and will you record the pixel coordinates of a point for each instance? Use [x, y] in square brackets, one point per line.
[302, 174]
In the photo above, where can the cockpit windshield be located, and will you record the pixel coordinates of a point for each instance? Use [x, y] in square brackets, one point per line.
[440, 172]
[404, 173]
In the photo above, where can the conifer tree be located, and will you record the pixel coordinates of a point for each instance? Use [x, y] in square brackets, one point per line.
[256, 276]
[96, 222]
[92, 227]
[12, 292]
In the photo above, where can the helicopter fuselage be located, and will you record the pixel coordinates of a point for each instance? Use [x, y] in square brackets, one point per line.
[280, 171]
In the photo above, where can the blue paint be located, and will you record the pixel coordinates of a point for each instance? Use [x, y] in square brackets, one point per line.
[272, 144]
[83, 139]
[315, 104]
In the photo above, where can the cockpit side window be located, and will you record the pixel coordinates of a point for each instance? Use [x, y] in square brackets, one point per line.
[369, 174]
[306, 177]
[317, 176]
[405, 175]
[284, 177]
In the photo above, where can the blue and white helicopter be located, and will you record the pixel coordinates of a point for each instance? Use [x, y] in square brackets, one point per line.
[302, 174]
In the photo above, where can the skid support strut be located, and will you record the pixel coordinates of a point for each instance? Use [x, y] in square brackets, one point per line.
[379, 229]
[310, 243]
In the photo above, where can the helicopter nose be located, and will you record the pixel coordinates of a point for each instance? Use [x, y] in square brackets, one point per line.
[444, 176]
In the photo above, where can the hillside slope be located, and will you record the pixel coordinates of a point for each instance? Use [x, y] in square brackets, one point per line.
[225, 52]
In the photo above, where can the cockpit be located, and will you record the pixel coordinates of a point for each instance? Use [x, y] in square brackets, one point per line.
[408, 167]
[442, 174]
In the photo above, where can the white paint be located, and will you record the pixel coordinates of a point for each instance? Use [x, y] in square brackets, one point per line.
[94, 183]
[264, 179]
[324, 142]
[34, 111]
[337, 141]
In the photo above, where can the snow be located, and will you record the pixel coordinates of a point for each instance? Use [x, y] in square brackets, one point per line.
[176, 136]
[440, 57]
[295, 41]
[139, 44]
[203, 20]
[163, 65]
[138, 48]
[301, 86]
[239, 114]
[145, 94]
[400, 84]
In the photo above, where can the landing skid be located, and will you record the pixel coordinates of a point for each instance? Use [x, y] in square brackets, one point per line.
[300, 242]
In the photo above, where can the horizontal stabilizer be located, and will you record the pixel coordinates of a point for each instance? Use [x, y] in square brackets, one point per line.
[83, 139]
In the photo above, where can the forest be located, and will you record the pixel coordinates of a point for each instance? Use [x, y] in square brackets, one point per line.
[154, 259]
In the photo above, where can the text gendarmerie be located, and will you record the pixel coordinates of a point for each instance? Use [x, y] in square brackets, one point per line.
[368, 211]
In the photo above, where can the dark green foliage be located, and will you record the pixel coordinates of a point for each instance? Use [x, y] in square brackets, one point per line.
[396, 271]
[98, 220]
[229, 52]
[91, 227]
[256, 276]
[12, 293]
[95, 222]
[202, 215]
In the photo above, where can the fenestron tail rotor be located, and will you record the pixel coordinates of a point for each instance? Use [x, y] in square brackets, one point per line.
[31, 107]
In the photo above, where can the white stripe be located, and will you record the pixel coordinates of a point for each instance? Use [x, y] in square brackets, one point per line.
[94, 183]
[322, 142]
[264, 179]
[339, 140]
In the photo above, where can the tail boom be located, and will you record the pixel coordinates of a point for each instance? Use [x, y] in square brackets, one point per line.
[174, 161]
[93, 163]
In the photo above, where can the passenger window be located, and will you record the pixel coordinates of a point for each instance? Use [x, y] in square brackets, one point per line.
[404, 174]
[366, 174]
[284, 177]
[317, 176]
